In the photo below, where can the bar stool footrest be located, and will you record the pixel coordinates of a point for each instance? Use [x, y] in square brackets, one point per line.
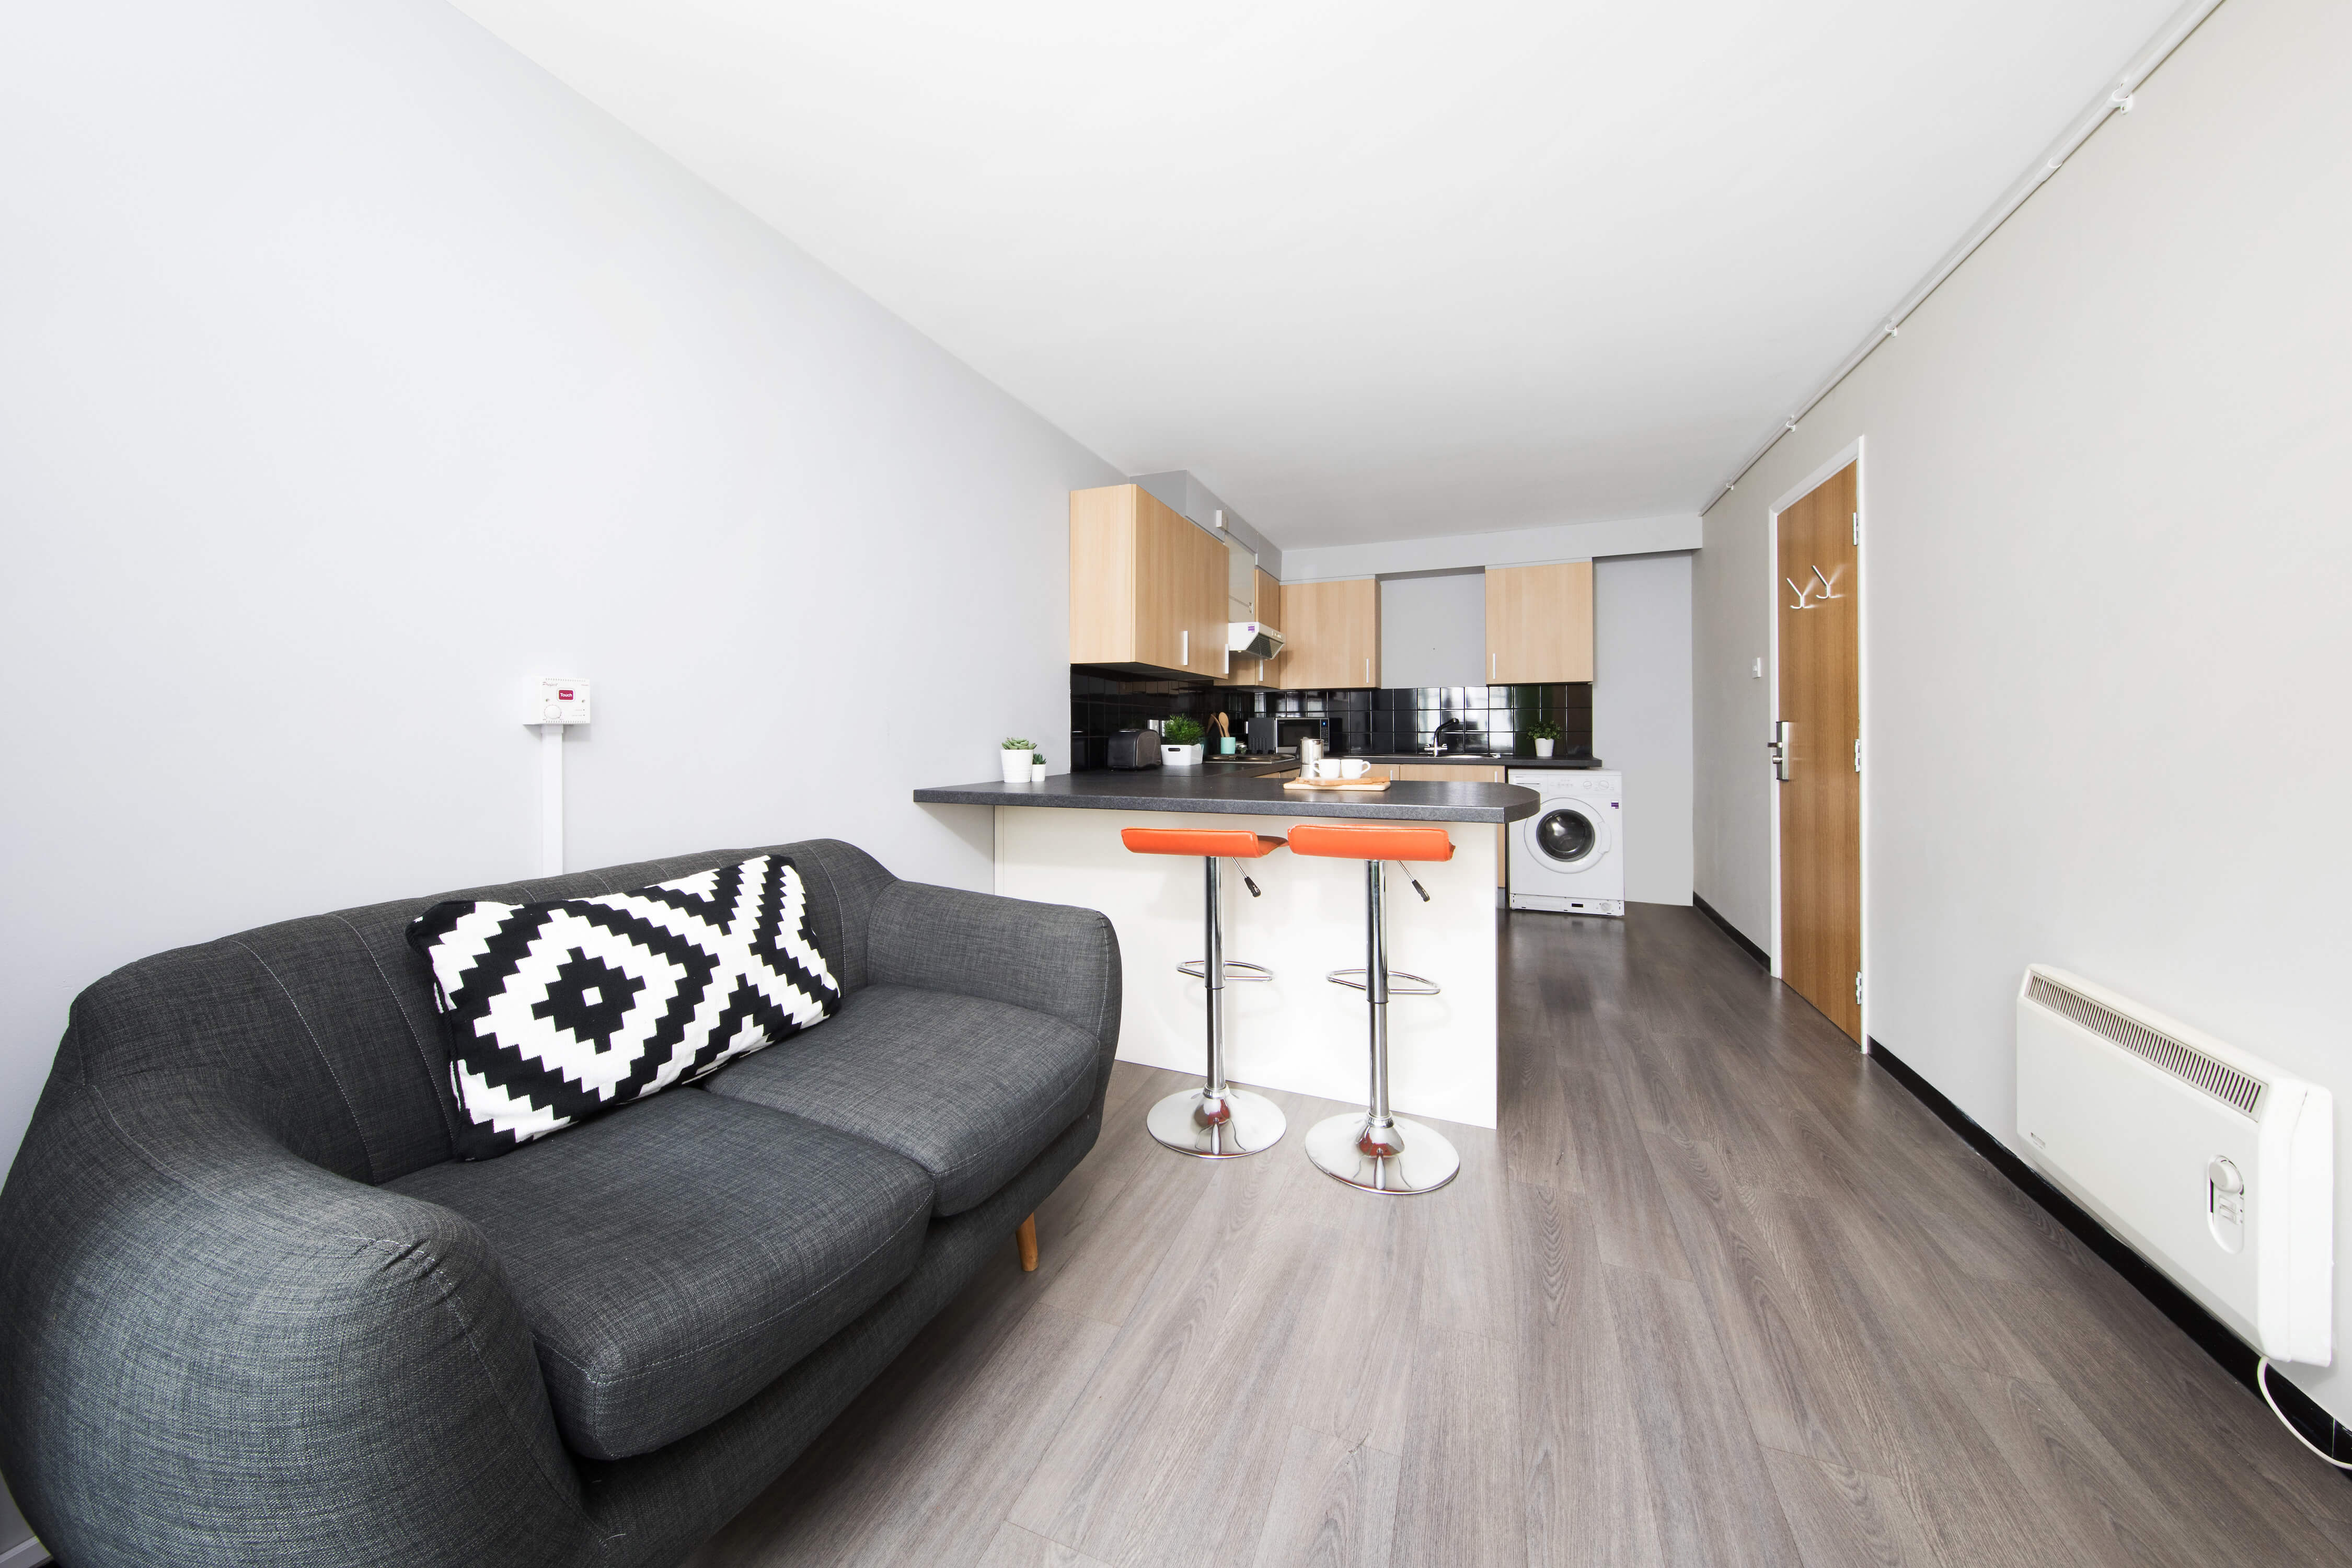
[1415, 985]
[1255, 973]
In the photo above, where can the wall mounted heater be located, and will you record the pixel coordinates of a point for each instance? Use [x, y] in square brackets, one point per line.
[2212, 1165]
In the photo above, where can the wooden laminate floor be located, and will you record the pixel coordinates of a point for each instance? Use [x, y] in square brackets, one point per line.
[1717, 1292]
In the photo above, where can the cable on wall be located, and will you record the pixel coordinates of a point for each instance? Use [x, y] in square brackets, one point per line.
[556, 704]
[2116, 99]
[2263, 1381]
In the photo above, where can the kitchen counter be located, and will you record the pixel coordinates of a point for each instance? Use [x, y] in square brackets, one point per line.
[1472, 759]
[1230, 789]
[1294, 1032]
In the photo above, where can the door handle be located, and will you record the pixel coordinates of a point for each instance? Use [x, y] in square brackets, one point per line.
[1779, 748]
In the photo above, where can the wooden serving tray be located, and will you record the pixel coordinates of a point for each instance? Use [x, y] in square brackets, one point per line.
[1352, 786]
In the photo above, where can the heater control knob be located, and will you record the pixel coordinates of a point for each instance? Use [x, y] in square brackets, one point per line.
[2225, 1205]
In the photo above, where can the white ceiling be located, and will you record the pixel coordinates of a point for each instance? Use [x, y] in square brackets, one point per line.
[1371, 269]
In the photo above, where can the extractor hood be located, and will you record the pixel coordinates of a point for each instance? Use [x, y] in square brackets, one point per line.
[1252, 639]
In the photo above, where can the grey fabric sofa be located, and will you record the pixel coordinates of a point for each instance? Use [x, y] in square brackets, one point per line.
[251, 1313]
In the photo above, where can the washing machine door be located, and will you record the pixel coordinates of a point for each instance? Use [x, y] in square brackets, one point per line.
[1569, 834]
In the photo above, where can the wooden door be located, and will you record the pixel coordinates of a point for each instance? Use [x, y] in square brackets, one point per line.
[1540, 623]
[1164, 560]
[1103, 575]
[1820, 797]
[1335, 634]
[1208, 601]
[1269, 613]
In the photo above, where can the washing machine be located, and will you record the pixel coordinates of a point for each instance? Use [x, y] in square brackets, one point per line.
[1570, 857]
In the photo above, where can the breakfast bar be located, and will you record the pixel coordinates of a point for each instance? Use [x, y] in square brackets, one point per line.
[1059, 841]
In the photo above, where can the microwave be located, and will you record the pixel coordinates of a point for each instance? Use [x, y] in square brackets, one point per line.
[1288, 732]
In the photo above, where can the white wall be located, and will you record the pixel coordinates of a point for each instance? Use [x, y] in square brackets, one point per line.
[354, 371]
[1433, 629]
[2106, 637]
[1641, 713]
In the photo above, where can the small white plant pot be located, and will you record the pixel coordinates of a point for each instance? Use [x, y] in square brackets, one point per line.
[1019, 766]
[1037, 772]
[1543, 748]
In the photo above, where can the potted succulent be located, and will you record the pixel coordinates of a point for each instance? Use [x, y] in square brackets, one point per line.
[1037, 767]
[1020, 759]
[1545, 735]
[1180, 743]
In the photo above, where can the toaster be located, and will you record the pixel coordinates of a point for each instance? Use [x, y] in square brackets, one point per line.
[1134, 749]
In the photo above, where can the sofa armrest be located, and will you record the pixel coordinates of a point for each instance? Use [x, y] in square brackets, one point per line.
[213, 1351]
[1050, 958]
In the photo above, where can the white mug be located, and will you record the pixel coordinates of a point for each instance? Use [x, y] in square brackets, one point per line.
[1339, 768]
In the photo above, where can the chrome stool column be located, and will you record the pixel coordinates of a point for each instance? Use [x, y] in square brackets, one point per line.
[1376, 1149]
[1216, 1121]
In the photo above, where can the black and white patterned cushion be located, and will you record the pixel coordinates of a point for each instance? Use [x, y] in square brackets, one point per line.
[557, 1011]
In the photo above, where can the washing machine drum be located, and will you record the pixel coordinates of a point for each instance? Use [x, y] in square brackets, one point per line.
[1567, 835]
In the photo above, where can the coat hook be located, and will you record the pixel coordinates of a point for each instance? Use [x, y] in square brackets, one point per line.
[1828, 589]
[1800, 594]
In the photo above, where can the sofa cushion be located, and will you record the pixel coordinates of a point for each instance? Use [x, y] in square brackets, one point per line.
[557, 1011]
[675, 1257]
[970, 1090]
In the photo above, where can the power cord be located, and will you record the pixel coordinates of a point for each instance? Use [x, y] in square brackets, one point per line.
[2263, 1381]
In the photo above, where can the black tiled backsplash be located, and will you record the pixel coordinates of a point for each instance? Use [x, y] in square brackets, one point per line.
[1395, 719]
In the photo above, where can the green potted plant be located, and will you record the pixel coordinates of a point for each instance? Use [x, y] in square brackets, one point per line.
[1180, 743]
[1037, 767]
[1545, 735]
[1020, 759]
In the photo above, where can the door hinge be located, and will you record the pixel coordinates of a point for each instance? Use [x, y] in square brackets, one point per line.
[1857, 755]
[1857, 987]
[1857, 527]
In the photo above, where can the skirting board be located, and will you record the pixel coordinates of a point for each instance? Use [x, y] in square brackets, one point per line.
[2236, 1357]
[1733, 932]
[26, 1553]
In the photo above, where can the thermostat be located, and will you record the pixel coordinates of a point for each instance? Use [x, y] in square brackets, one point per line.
[557, 702]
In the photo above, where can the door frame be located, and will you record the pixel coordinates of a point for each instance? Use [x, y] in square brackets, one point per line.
[1852, 452]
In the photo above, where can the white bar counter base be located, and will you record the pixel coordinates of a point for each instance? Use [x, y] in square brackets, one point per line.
[1298, 1032]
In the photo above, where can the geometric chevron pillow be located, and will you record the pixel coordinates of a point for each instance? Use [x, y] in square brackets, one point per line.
[557, 1011]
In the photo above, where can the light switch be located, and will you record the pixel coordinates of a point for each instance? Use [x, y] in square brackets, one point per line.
[556, 701]
[1759, 669]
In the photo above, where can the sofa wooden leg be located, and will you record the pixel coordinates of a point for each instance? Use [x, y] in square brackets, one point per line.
[1026, 1240]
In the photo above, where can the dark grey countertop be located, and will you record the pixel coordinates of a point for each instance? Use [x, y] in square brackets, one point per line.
[1239, 790]
[1462, 760]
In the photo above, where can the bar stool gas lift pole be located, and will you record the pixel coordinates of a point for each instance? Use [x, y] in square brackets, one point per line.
[1375, 1149]
[1216, 1121]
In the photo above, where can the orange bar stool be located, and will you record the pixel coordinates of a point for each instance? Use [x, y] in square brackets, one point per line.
[1378, 1149]
[1216, 1121]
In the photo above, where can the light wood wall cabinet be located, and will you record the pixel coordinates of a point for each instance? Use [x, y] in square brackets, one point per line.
[1540, 623]
[1265, 609]
[1147, 585]
[1333, 635]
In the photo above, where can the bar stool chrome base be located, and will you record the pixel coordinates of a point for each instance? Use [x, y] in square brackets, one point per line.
[1407, 1157]
[1192, 1122]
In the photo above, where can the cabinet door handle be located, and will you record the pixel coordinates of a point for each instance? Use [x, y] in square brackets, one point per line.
[1368, 670]
[1494, 666]
[1184, 647]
